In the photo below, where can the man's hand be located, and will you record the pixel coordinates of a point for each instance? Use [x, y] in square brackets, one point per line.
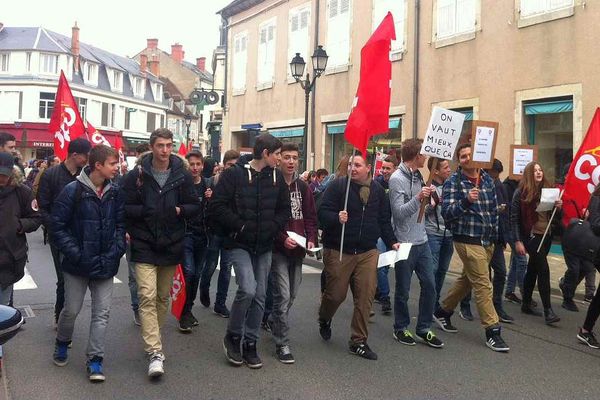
[425, 192]
[290, 243]
[343, 217]
[396, 246]
[473, 195]
[520, 248]
[310, 245]
[178, 211]
[208, 193]
[558, 204]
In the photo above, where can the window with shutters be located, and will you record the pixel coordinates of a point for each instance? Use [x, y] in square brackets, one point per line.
[398, 10]
[48, 63]
[298, 36]
[455, 17]
[266, 54]
[240, 60]
[338, 33]
[4, 59]
[536, 11]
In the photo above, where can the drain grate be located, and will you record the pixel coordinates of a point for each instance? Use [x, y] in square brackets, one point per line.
[26, 311]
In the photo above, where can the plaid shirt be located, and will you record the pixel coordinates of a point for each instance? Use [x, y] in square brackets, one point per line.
[477, 221]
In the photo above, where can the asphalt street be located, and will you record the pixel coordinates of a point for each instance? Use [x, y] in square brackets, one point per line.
[544, 362]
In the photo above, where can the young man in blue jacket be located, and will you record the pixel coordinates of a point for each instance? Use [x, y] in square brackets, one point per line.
[88, 226]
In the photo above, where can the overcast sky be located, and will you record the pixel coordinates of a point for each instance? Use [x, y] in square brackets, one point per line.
[122, 26]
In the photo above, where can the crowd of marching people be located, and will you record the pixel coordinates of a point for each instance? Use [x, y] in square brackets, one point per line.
[258, 215]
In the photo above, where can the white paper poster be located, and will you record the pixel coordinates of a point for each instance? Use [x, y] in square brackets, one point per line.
[442, 133]
[522, 157]
[301, 240]
[392, 256]
[547, 199]
[484, 144]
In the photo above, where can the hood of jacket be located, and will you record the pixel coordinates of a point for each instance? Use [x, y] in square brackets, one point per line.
[84, 178]
[146, 154]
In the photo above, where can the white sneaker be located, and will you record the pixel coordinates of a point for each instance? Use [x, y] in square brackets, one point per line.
[156, 369]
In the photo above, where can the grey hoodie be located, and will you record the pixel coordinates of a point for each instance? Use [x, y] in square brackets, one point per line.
[84, 178]
[404, 187]
[434, 222]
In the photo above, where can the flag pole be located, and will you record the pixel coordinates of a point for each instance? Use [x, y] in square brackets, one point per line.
[346, 200]
[549, 223]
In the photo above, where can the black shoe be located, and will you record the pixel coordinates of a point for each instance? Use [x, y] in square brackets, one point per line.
[267, 327]
[569, 304]
[363, 350]
[186, 323]
[465, 313]
[442, 318]
[550, 317]
[588, 338]
[526, 308]
[513, 298]
[561, 285]
[284, 354]
[194, 320]
[494, 341]
[221, 310]
[405, 337]
[430, 339]
[325, 329]
[588, 298]
[205, 298]
[504, 317]
[231, 345]
[250, 355]
[386, 306]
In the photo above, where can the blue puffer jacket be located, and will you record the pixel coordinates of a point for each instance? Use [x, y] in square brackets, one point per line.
[88, 230]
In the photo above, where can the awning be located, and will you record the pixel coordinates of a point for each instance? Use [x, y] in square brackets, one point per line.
[336, 129]
[548, 107]
[287, 132]
[36, 134]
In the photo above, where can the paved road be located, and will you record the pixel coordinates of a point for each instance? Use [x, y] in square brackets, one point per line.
[544, 362]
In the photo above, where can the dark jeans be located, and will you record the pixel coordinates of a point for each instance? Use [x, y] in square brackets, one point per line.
[60, 282]
[268, 300]
[135, 302]
[441, 253]
[537, 269]
[577, 269]
[593, 311]
[215, 245]
[516, 271]
[419, 260]
[498, 267]
[194, 250]
[383, 283]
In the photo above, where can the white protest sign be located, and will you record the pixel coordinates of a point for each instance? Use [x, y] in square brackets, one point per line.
[483, 147]
[522, 158]
[442, 133]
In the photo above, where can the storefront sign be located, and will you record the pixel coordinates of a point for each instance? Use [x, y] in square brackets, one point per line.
[520, 156]
[41, 144]
[443, 133]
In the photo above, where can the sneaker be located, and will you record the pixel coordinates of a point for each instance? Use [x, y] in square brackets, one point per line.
[569, 304]
[588, 298]
[61, 353]
[377, 300]
[185, 324]
[94, 369]
[363, 350]
[588, 338]
[513, 298]
[156, 367]
[561, 286]
[250, 355]
[325, 329]
[534, 303]
[442, 318]
[284, 354]
[193, 319]
[221, 310]
[430, 339]
[267, 327]
[136, 318]
[371, 313]
[231, 346]
[405, 337]
[465, 313]
[504, 317]
[205, 298]
[494, 341]
[386, 306]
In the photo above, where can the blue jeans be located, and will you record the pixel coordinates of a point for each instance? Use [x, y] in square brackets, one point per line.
[194, 249]
[420, 261]
[284, 279]
[135, 302]
[383, 283]
[251, 274]
[215, 245]
[441, 253]
[60, 282]
[516, 271]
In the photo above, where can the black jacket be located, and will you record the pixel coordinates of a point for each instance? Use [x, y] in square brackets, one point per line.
[196, 225]
[504, 216]
[151, 219]
[52, 183]
[365, 223]
[248, 207]
[594, 216]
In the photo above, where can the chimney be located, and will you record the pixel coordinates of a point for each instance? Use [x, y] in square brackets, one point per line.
[152, 44]
[201, 63]
[177, 52]
[75, 47]
[143, 64]
[155, 65]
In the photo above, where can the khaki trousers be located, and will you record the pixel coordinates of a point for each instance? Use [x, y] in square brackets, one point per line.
[360, 273]
[154, 286]
[476, 275]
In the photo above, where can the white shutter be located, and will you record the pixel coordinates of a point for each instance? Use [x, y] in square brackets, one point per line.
[270, 61]
[9, 106]
[333, 8]
[262, 54]
[398, 10]
[465, 16]
[239, 61]
[380, 9]
[532, 7]
[266, 53]
[445, 18]
[298, 35]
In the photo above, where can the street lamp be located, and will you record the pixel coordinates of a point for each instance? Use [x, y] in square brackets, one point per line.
[319, 63]
[188, 121]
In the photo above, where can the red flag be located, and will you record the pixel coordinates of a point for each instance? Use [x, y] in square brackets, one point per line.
[66, 123]
[182, 149]
[178, 293]
[119, 148]
[95, 136]
[584, 172]
[370, 112]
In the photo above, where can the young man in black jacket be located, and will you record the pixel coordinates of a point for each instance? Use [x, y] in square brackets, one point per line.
[250, 204]
[159, 197]
[367, 218]
[52, 183]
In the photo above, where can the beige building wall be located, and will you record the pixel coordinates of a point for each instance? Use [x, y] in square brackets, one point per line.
[508, 60]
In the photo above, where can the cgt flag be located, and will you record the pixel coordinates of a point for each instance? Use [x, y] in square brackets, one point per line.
[584, 173]
[66, 123]
[183, 149]
[178, 293]
[95, 136]
[370, 112]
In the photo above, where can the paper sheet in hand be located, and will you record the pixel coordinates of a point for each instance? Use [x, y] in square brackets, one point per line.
[548, 198]
[392, 256]
[301, 240]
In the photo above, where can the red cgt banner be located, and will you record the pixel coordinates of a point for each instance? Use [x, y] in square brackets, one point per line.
[178, 293]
